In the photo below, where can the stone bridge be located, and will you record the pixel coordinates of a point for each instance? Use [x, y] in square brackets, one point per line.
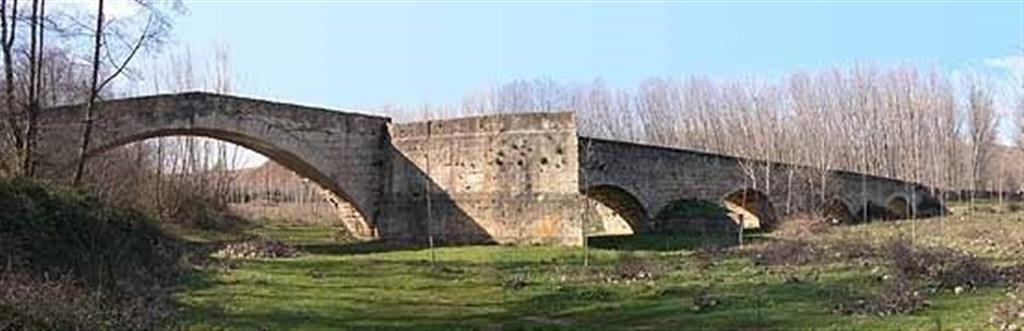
[643, 183]
[523, 178]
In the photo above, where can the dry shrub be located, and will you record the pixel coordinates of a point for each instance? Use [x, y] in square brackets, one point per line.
[1009, 314]
[27, 303]
[803, 226]
[802, 252]
[633, 267]
[853, 249]
[945, 267]
[514, 282]
[705, 300]
[63, 303]
[786, 253]
[709, 255]
[1013, 274]
[985, 209]
[897, 297]
[116, 267]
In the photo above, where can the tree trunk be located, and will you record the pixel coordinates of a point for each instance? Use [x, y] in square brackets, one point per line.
[90, 107]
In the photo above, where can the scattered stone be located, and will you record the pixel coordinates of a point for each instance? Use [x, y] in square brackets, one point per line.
[256, 248]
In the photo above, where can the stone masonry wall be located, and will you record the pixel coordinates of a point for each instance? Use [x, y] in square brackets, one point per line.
[504, 179]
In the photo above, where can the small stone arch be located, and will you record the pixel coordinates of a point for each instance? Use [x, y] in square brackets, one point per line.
[335, 195]
[838, 211]
[752, 207]
[622, 203]
[899, 207]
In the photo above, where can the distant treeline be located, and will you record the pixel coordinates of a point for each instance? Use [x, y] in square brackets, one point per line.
[902, 123]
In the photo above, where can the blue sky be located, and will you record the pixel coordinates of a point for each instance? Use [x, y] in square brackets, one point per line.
[348, 54]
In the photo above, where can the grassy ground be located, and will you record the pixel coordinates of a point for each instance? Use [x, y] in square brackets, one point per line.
[345, 286]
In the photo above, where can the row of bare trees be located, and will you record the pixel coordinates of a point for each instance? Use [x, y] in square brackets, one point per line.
[88, 57]
[917, 125]
[72, 53]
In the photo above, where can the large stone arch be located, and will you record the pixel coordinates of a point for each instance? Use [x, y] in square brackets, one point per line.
[840, 210]
[623, 203]
[340, 152]
[752, 207]
[898, 206]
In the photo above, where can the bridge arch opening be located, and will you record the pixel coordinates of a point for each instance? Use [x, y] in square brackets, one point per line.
[612, 210]
[294, 179]
[837, 211]
[898, 207]
[751, 209]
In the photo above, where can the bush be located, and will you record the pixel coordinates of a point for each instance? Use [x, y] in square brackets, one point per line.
[803, 226]
[985, 209]
[853, 249]
[944, 266]
[630, 266]
[709, 255]
[1009, 315]
[29, 303]
[109, 259]
[897, 297]
[514, 283]
[785, 253]
[191, 205]
[704, 300]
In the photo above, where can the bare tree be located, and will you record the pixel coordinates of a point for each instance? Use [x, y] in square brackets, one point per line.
[982, 122]
[8, 32]
[90, 107]
[152, 32]
[1020, 139]
[35, 64]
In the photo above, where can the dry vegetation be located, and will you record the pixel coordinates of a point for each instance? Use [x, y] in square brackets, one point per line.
[72, 262]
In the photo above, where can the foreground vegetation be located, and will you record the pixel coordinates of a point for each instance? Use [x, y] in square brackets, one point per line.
[71, 262]
[802, 276]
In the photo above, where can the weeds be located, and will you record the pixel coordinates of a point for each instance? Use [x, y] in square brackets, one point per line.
[785, 253]
[945, 267]
[704, 300]
[514, 283]
[1009, 315]
[896, 297]
[116, 269]
[632, 267]
[803, 226]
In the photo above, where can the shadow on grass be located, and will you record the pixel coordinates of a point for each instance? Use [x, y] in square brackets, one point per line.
[673, 242]
[368, 247]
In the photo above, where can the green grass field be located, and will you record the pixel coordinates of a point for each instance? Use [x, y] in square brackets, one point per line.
[337, 285]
